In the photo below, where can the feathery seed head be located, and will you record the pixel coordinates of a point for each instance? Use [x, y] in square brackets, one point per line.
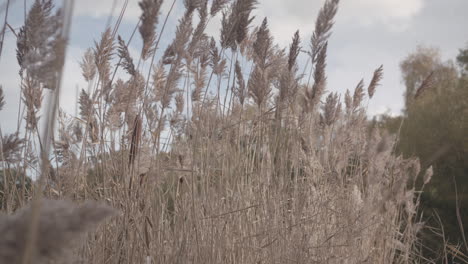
[331, 109]
[61, 225]
[378, 75]
[358, 94]
[40, 45]
[103, 52]
[294, 50]
[149, 19]
[217, 6]
[88, 65]
[124, 55]
[2, 98]
[323, 26]
[428, 175]
[235, 23]
[240, 91]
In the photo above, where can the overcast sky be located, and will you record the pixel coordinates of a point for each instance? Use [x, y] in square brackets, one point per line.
[367, 33]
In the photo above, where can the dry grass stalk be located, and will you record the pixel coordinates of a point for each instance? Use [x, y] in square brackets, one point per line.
[270, 181]
[135, 140]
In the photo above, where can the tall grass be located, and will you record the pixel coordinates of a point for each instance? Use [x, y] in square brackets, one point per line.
[224, 152]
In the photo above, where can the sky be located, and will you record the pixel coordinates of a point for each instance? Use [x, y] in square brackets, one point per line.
[366, 34]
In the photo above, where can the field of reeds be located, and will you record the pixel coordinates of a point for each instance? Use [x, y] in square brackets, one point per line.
[226, 151]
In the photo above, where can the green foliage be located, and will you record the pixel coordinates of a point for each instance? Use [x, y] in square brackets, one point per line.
[419, 65]
[434, 129]
[462, 60]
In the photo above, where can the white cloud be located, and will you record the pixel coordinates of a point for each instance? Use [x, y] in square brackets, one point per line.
[104, 8]
[286, 17]
[72, 79]
[383, 110]
[9, 79]
[394, 14]
[383, 8]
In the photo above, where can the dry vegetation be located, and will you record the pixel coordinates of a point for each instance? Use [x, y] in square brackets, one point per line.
[213, 152]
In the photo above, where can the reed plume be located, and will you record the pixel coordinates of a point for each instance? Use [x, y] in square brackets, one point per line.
[318, 53]
[323, 26]
[40, 45]
[61, 227]
[294, 50]
[260, 82]
[289, 81]
[274, 168]
[376, 78]
[124, 55]
[194, 48]
[103, 52]
[12, 146]
[313, 94]
[32, 97]
[2, 98]
[331, 109]
[88, 66]
[217, 6]
[425, 85]
[86, 105]
[358, 95]
[149, 20]
[240, 91]
[200, 74]
[235, 23]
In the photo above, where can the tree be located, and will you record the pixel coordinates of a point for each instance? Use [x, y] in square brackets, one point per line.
[419, 65]
[462, 60]
[434, 128]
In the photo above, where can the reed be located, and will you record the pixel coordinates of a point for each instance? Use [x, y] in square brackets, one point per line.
[279, 171]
